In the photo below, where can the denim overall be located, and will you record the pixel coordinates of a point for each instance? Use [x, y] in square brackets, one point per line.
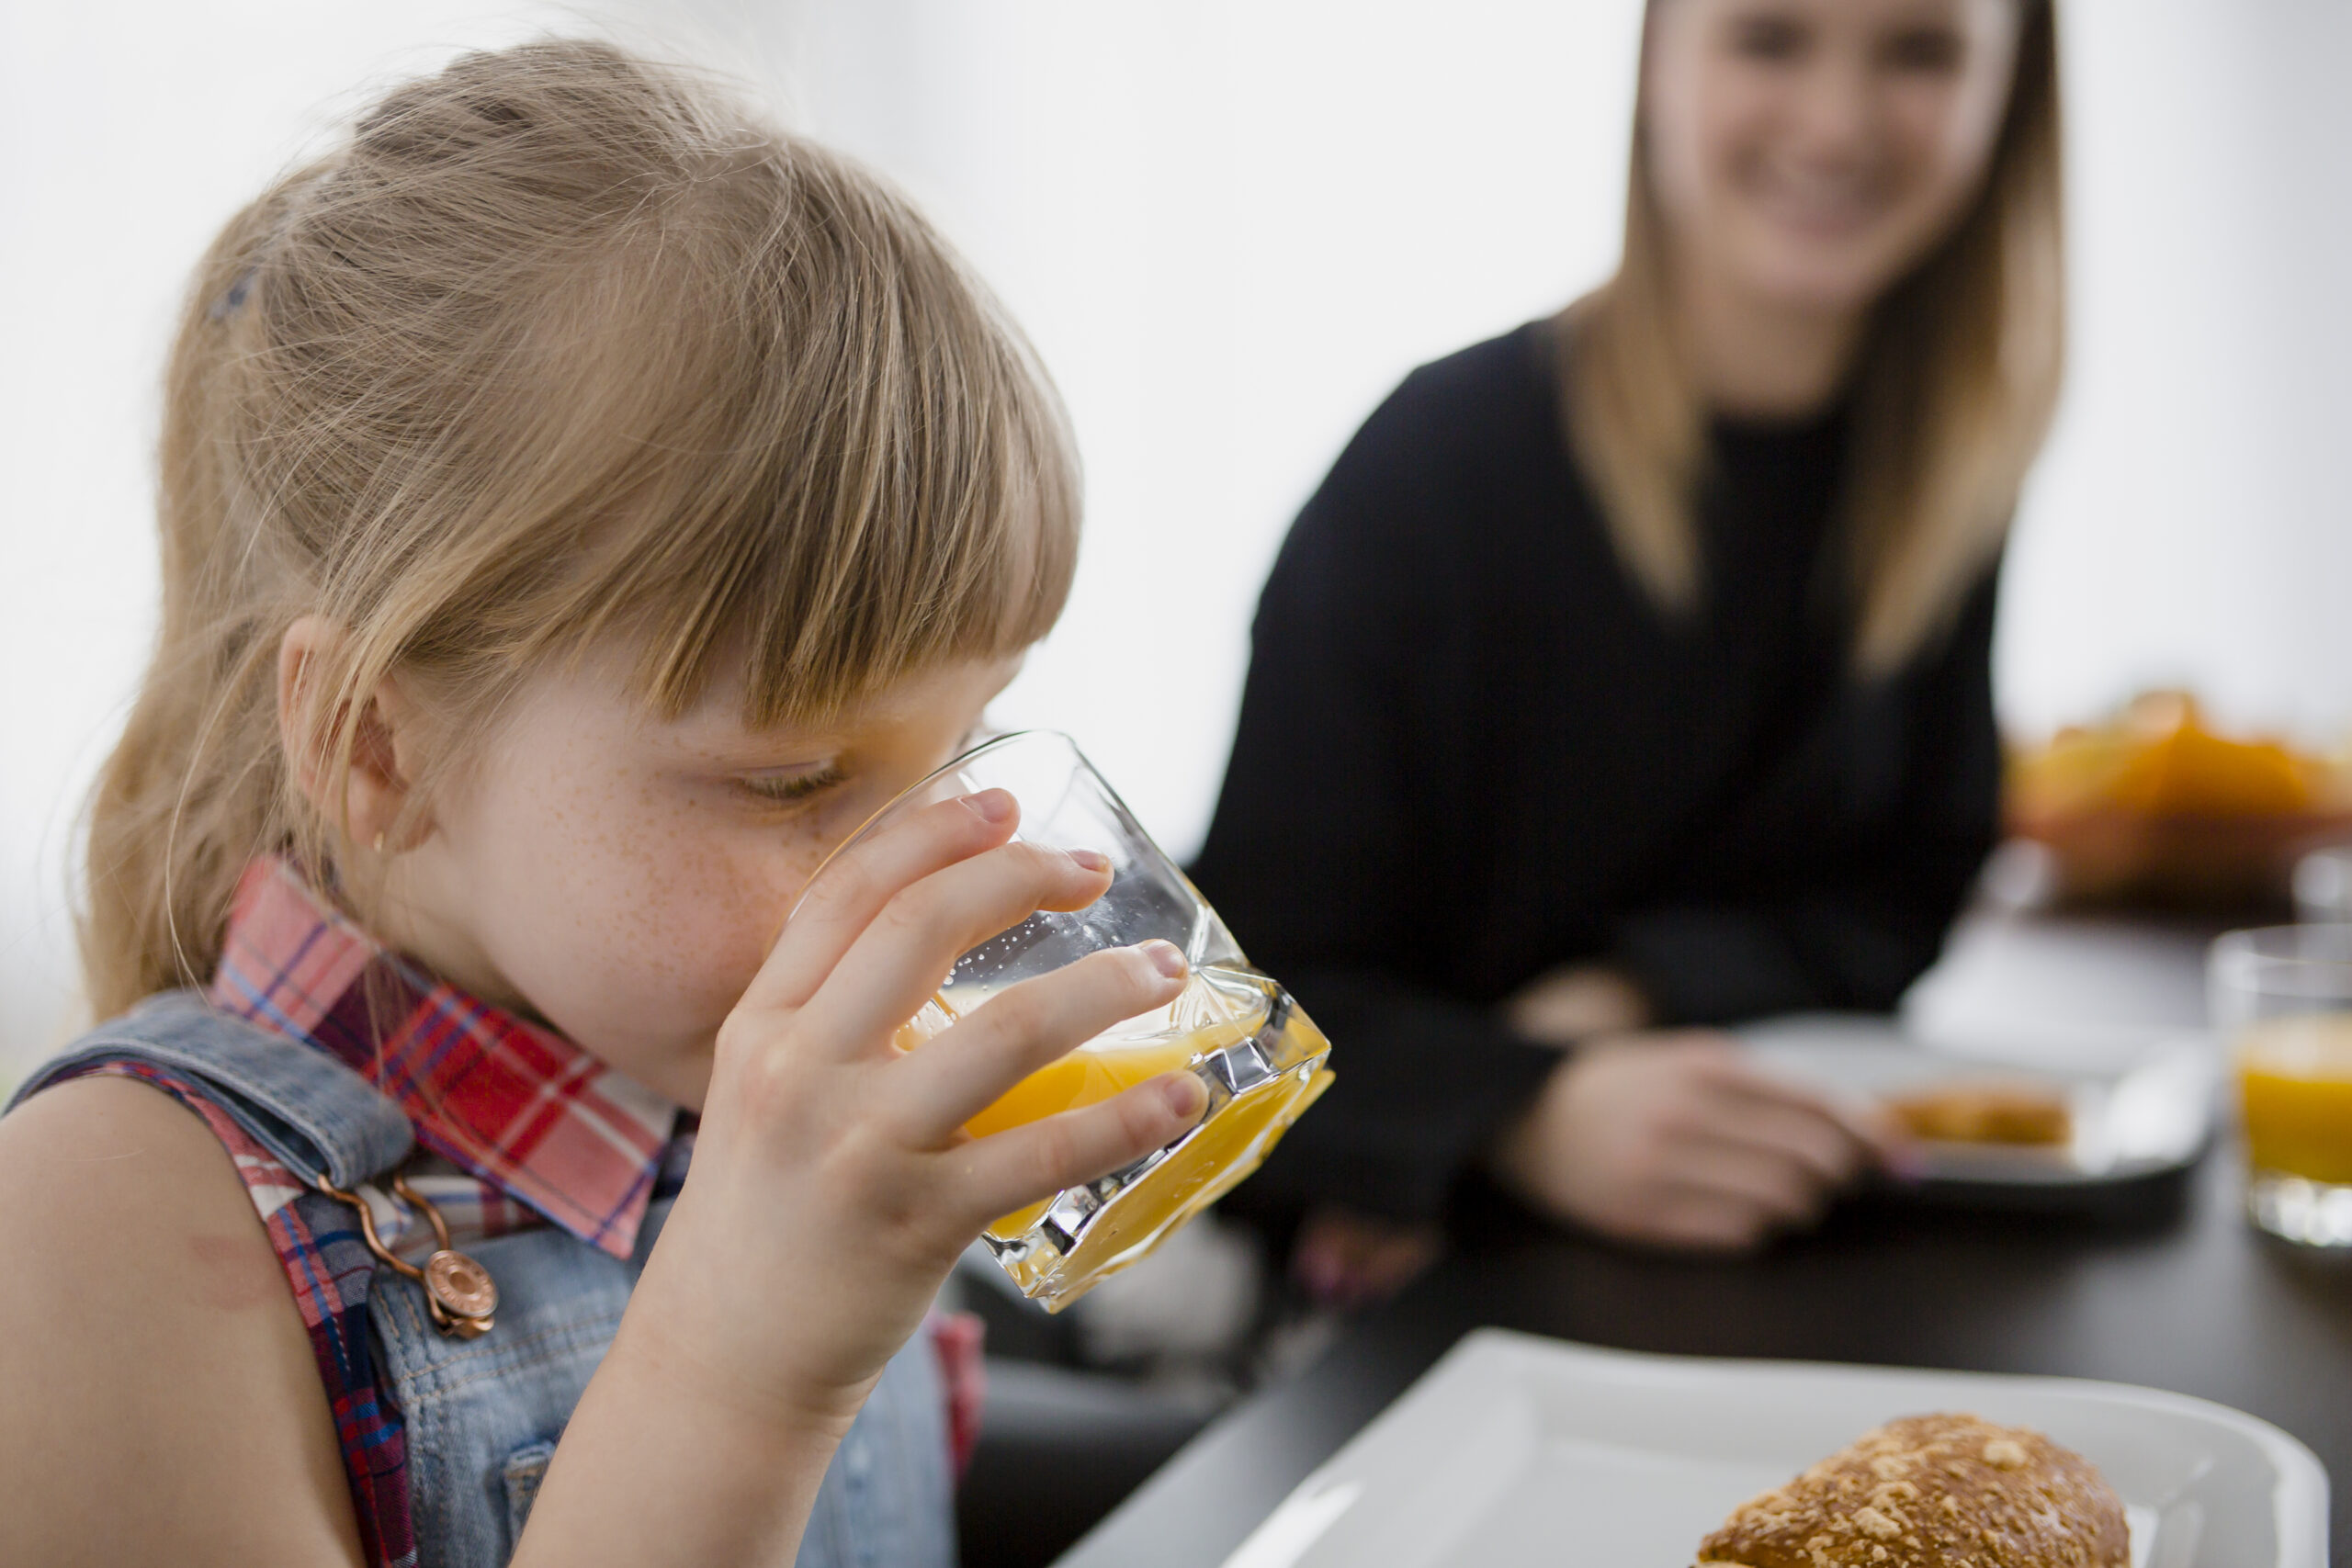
[483, 1415]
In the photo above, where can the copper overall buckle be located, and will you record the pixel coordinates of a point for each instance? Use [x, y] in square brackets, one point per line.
[459, 1291]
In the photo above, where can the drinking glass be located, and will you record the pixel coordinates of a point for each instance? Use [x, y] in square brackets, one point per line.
[2282, 997]
[1261, 1058]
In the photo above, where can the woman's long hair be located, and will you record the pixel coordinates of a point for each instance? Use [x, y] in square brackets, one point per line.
[560, 347]
[1952, 393]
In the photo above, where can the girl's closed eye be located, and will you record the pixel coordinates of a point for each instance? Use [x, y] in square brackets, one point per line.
[787, 788]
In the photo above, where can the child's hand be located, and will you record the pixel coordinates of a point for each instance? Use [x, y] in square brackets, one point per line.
[832, 1186]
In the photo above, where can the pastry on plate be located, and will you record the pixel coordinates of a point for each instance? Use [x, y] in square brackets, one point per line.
[2023, 1114]
[1932, 1492]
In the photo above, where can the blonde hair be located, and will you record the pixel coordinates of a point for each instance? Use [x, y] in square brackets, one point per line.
[560, 346]
[1952, 394]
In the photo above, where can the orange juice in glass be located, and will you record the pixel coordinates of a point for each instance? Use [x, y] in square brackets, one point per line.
[1261, 1058]
[2283, 997]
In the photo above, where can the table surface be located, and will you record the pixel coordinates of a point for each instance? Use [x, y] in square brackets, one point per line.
[2182, 1296]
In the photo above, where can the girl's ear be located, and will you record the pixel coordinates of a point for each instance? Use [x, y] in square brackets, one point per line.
[382, 729]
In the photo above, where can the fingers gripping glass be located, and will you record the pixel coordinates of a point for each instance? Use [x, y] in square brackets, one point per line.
[1262, 1060]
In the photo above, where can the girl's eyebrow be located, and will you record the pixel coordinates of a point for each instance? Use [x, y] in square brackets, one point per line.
[753, 752]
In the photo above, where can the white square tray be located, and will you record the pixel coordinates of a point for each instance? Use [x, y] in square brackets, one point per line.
[1515, 1451]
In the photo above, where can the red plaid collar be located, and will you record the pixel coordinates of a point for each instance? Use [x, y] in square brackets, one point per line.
[512, 1102]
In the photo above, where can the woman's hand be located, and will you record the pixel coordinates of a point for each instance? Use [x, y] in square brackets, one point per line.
[1575, 1002]
[833, 1187]
[1674, 1140]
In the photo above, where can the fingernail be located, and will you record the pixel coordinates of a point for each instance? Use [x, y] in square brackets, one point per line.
[1166, 956]
[1092, 860]
[993, 805]
[1185, 1095]
[1908, 1167]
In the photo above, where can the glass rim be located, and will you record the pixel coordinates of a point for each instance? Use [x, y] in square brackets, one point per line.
[2324, 945]
[874, 818]
[2276, 970]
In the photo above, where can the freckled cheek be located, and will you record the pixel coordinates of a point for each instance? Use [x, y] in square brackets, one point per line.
[704, 948]
[686, 913]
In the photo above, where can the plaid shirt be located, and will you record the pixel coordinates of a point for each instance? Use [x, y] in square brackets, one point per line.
[521, 1128]
[530, 1116]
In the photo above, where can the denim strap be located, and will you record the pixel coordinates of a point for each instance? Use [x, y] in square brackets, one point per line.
[306, 1108]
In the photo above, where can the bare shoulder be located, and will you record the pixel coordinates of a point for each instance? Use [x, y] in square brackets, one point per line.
[162, 1402]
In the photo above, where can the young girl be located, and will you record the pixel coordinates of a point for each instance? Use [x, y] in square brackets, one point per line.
[580, 508]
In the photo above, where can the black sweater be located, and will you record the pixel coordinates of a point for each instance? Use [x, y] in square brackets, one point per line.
[1472, 749]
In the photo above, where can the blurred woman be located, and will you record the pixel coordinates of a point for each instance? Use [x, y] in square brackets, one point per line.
[1627, 677]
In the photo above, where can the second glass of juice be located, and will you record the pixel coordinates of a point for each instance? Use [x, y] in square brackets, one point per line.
[2283, 995]
[1262, 1060]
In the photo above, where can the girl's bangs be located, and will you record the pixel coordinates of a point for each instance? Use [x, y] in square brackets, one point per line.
[825, 505]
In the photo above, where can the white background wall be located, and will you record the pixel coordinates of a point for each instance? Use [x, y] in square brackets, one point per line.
[1230, 225]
